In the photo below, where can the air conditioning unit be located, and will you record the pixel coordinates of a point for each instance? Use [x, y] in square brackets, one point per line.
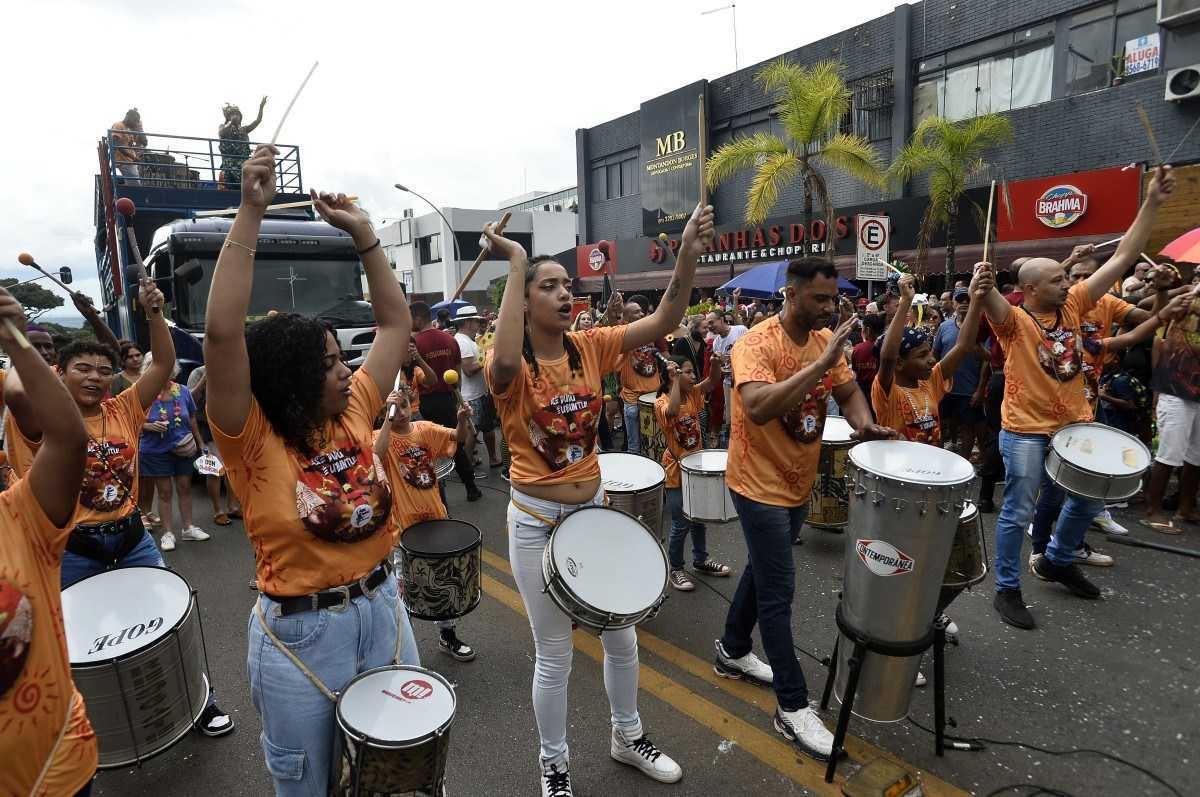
[1173, 13]
[1183, 83]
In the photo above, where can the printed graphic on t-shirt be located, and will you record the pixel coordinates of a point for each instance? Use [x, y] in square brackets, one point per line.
[343, 495]
[686, 429]
[642, 360]
[806, 421]
[563, 430]
[417, 467]
[16, 631]
[108, 477]
[1059, 355]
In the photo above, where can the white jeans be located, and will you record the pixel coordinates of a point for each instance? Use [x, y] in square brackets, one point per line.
[527, 538]
[1178, 431]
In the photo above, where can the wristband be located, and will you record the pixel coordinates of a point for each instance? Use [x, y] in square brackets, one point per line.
[362, 252]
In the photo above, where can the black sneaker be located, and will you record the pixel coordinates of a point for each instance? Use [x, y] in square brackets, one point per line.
[1012, 609]
[458, 649]
[710, 568]
[474, 494]
[1070, 576]
[214, 722]
[556, 780]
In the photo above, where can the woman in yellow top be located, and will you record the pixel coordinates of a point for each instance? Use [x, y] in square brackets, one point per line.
[546, 383]
[295, 429]
[677, 411]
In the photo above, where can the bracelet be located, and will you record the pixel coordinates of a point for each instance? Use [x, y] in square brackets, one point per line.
[362, 252]
[230, 242]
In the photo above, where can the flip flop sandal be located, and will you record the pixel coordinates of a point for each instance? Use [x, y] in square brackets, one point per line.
[222, 519]
[1163, 528]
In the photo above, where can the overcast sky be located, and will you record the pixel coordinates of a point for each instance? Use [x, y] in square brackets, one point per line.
[467, 102]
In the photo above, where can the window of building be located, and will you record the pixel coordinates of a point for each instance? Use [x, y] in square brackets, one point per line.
[1017, 78]
[629, 177]
[429, 249]
[612, 177]
[1097, 39]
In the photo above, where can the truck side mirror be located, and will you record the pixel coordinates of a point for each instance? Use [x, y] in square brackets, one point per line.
[191, 271]
[64, 275]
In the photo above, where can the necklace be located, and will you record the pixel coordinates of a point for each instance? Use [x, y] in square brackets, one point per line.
[917, 416]
[1049, 342]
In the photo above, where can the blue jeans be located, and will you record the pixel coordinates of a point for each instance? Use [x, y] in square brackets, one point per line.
[336, 644]
[76, 567]
[1030, 495]
[681, 526]
[633, 431]
[764, 595]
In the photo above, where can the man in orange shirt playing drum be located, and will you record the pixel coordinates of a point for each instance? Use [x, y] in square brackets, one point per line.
[784, 370]
[1044, 391]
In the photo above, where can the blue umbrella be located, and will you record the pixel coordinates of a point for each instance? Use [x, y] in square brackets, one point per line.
[452, 306]
[767, 280]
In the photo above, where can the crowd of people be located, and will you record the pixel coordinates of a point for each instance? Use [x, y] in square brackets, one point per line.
[327, 466]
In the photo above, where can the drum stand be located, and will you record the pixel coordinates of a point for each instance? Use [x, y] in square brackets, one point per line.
[935, 637]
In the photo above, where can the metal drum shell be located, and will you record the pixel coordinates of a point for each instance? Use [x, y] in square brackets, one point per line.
[706, 497]
[643, 503]
[441, 585]
[1088, 483]
[653, 444]
[968, 551]
[829, 505]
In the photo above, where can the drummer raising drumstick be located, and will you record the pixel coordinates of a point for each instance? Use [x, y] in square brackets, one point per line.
[1045, 390]
[546, 382]
[784, 370]
[295, 428]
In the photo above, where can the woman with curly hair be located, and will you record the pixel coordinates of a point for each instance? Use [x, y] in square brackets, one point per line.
[546, 382]
[295, 428]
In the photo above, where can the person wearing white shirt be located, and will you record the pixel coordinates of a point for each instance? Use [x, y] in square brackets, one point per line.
[724, 336]
[472, 387]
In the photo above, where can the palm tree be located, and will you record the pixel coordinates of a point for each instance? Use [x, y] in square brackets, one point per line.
[811, 104]
[950, 154]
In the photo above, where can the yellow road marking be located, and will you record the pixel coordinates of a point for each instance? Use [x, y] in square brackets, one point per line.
[771, 750]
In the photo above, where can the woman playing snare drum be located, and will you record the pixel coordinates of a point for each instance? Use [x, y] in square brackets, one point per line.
[546, 382]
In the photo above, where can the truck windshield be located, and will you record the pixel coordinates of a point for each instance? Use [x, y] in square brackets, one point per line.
[309, 287]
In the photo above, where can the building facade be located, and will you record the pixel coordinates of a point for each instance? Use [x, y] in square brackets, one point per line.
[564, 201]
[1069, 74]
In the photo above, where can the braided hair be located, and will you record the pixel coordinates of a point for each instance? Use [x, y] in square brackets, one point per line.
[574, 358]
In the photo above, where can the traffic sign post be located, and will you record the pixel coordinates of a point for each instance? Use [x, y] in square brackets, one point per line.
[874, 237]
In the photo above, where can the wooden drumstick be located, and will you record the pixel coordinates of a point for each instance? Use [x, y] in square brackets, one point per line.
[701, 149]
[204, 214]
[987, 230]
[462, 286]
[1150, 133]
[296, 96]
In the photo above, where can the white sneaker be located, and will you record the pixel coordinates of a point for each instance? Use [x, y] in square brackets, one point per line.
[920, 680]
[556, 779]
[1104, 521]
[805, 728]
[749, 667]
[641, 754]
[167, 541]
[1084, 555]
[948, 625]
[194, 533]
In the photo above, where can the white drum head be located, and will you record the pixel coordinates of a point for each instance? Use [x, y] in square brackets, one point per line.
[837, 430]
[915, 463]
[625, 473]
[609, 560]
[710, 460]
[119, 612]
[397, 705]
[648, 398]
[1101, 449]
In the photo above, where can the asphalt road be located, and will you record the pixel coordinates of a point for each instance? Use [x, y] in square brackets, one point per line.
[1118, 675]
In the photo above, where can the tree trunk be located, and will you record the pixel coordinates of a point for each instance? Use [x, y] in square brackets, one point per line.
[951, 229]
[808, 212]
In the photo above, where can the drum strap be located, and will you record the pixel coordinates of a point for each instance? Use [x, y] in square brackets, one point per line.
[530, 512]
[37, 784]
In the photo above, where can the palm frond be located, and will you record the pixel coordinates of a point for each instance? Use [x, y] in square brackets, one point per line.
[775, 171]
[740, 155]
[781, 73]
[855, 156]
[914, 158]
[827, 101]
[987, 131]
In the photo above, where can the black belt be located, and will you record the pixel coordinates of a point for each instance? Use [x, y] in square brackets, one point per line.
[336, 598]
[87, 539]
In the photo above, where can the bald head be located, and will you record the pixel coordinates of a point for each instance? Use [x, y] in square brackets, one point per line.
[1044, 282]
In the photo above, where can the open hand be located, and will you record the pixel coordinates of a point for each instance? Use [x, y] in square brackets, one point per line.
[873, 431]
[258, 177]
[698, 234]
[834, 349]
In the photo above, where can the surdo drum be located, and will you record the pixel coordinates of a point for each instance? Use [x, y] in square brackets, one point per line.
[604, 569]
[1097, 461]
[439, 567]
[653, 444]
[706, 499]
[395, 731]
[137, 655]
[634, 484]
[829, 507]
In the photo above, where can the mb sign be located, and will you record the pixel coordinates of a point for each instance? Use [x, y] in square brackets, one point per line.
[873, 247]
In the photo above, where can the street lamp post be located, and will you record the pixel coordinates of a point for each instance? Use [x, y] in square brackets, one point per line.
[449, 226]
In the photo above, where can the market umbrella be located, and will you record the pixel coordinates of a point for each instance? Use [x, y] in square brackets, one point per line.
[1184, 249]
[767, 280]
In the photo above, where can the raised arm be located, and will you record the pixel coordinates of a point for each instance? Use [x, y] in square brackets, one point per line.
[995, 306]
[697, 235]
[57, 469]
[414, 356]
[250, 128]
[1162, 184]
[1174, 310]
[736, 304]
[228, 363]
[392, 317]
[675, 394]
[88, 310]
[162, 347]
[463, 431]
[981, 285]
[889, 351]
[505, 361]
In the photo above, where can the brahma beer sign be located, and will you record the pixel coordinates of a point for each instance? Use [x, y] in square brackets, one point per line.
[1061, 206]
[670, 158]
[1099, 202]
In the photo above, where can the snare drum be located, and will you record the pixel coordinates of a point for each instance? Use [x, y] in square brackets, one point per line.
[604, 569]
[968, 556]
[1097, 461]
[439, 567]
[634, 484]
[829, 507]
[137, 656]
[395, 731]
[652, 437]
[706, 499]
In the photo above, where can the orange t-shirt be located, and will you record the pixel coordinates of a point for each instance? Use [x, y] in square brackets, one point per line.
[315, 522]
[913, 412]
[638, 373]
[1097, 327]
[681, 433]
[35, 674]
[1044, 386]
[775, 463]
[110, 479]
[124, 141]
[409, 464]
[550, 420]
[19, 449]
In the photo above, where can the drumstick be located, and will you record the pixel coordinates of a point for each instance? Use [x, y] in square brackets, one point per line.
[987, 230]
[295, 96]
[281, 206]
[399, 380]
[702, 146]
[462, 286]
[450, 376]
[1149, 133]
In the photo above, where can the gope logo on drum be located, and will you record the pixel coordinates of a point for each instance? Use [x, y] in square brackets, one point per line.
[411, 690]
